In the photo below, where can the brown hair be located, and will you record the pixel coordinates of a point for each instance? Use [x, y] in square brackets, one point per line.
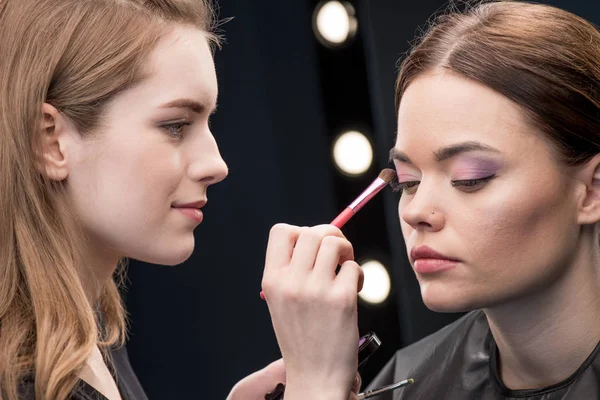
[76, 55]
[543, 58]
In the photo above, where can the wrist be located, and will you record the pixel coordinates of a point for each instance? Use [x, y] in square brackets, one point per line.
[313, 391]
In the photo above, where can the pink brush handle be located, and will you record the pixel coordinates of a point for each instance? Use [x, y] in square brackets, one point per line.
[344, 217]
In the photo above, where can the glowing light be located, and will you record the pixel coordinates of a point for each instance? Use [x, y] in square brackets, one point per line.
[376, 288]
[334, 22]
[353, 153]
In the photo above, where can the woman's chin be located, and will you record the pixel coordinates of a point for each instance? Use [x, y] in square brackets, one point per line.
[445, 300]
[175, 260]
[170, 256]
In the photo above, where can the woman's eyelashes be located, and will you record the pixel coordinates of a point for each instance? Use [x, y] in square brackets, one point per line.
[472, 185]
[403, 186]
[175, 128]
[466, 185]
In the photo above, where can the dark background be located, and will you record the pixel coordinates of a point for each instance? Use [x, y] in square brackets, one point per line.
[200, 327]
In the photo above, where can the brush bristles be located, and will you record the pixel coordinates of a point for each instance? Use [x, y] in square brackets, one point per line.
[388, 175]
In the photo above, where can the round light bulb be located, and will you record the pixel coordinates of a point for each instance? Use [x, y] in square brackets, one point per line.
[334, 22]
[377, 284]
[353, 153]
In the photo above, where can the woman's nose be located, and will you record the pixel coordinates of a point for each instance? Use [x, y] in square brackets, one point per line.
[423, 213]
[207, 165]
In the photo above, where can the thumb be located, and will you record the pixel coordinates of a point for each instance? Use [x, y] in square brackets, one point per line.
[357, 383]
[274, 372]
[261, 382]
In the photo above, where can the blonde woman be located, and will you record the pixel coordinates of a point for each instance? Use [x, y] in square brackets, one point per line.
[105, 153]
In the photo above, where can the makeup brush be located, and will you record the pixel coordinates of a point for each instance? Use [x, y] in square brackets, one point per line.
[385, 389]
[386, 176]
[278, 392]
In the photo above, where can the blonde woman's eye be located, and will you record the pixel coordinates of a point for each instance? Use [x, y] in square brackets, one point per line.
[175, 129]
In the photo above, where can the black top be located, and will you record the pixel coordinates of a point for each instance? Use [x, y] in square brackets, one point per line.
[127, 382]
[459, 363]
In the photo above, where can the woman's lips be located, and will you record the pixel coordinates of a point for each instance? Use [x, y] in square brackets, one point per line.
[191, 209]
[194, 214]
[426, 260]
[431, 265]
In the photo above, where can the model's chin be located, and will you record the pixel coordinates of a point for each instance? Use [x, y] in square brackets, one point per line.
[443, 298]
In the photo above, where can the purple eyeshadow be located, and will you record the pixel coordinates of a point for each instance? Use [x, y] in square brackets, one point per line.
[475, 168]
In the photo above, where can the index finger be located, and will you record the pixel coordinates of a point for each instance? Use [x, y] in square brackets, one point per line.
[282, 239]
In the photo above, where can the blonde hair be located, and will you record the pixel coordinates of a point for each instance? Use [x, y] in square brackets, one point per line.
[76, 55]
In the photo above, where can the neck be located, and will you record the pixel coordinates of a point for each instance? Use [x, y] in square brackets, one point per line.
[99, 268]
[544, 338]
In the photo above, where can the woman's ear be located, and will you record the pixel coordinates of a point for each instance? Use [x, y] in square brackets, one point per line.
[53, 144]
[589, 202]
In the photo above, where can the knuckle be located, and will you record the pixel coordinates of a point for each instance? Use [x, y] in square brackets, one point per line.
[348, 246]
[316, 293]
[276, 230]
[343, 300]
[311, 296]
[325, 230]
[281, 229]
[310, 233]
[330, 230]
[268, 285]
[291, 293]
[337, 244]
[351, 266]
[331, 242]
[356, 383]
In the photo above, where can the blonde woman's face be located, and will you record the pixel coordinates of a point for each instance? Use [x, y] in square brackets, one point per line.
[481, 187]
[137, 184]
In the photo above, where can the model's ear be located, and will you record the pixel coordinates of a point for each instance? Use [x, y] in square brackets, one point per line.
[54, 132]
[589, 201]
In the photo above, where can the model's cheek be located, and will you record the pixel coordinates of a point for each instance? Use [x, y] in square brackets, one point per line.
[515, 229]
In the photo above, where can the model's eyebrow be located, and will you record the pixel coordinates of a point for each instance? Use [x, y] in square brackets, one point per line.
[446, 152]
[192, 105]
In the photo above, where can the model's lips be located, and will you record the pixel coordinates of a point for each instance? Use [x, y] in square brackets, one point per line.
[426, 260]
